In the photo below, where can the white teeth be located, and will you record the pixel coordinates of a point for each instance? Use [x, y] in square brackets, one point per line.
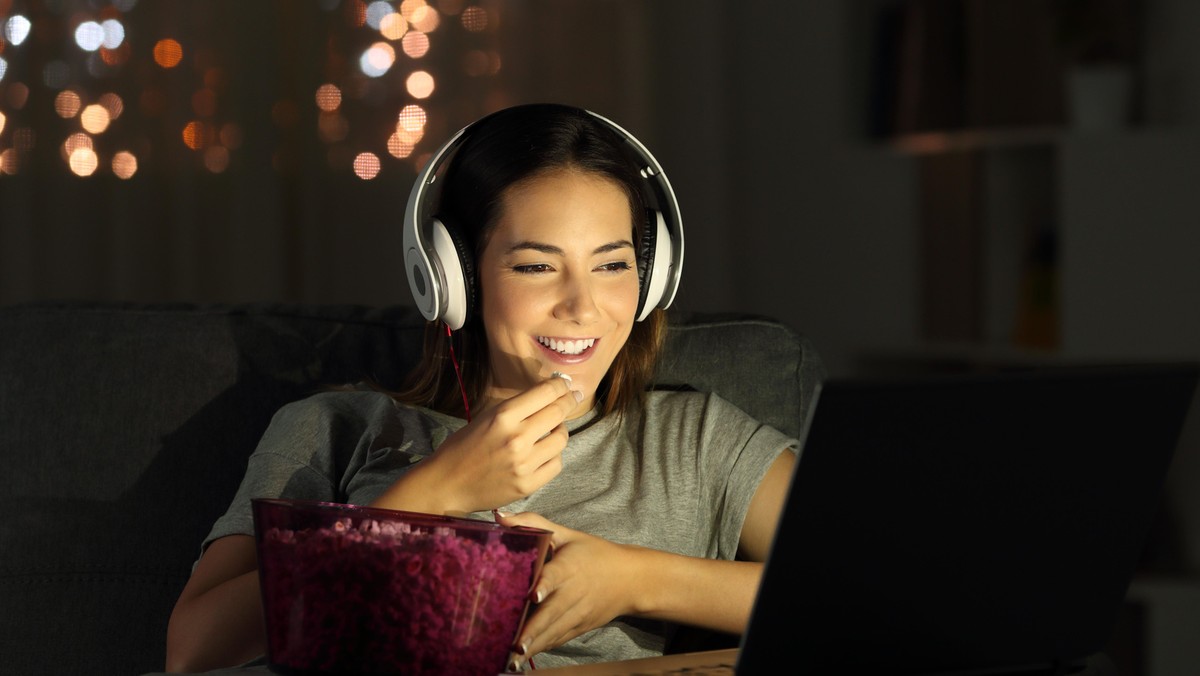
[567, 346]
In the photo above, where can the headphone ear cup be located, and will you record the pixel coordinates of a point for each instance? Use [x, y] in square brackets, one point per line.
[645, 261]
[654, 263]
[458, 268]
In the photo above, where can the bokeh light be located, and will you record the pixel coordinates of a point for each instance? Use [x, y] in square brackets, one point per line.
[419, 84]
[378, 58]
[89, 35]
[75, 142]
[366, 166]
[94, 118]
[375, 13]
[349, 98]
[393, 26]
[329, 97]
[114, 33]
[67, 104]
[412, 118]
[474, 19]
[195, 134]
[425, 19]
[16, 29]
[124, 164]
[115, 57]
[216, 159]
[8, 161]
[17, 95]
[398, 147]
[113, 104]
[168, 53]
[83, 161]
[415, 44]
[409, 7]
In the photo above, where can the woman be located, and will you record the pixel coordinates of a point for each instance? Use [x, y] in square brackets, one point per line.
[662, 504]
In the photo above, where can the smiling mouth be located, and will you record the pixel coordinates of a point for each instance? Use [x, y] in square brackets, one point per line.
[570, 347]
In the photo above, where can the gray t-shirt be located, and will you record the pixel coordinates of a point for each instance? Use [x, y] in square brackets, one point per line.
[676, 475]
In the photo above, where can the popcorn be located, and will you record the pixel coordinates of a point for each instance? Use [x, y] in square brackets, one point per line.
[383, 597]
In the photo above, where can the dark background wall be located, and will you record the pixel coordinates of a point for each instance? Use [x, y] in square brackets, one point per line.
[911, 183]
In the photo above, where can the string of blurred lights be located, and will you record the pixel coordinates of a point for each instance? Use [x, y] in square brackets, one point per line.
[108, 82]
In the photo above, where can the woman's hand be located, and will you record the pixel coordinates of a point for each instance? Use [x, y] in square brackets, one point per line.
[507, 452]
[587, 583]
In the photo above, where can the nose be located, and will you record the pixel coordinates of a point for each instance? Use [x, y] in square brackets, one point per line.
[577, 301]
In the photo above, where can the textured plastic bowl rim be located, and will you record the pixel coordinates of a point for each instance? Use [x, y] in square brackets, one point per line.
[419, 518]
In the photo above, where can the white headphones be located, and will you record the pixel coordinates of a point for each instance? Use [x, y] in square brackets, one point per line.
[440, 267]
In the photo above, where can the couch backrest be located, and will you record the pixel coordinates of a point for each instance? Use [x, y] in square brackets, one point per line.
[124, 430]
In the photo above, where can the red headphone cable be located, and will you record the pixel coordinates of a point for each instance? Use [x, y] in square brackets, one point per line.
[457, 372]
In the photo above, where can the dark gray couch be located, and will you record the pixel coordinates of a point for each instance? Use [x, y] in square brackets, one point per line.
[124, 430]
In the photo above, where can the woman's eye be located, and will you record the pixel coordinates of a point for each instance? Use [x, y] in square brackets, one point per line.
[531, 269]
[616, 266]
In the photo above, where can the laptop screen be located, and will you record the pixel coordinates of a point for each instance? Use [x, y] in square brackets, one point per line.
[966, 524]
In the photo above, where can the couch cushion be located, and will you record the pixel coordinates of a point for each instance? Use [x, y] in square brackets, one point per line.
[764, 367]
[126, 430]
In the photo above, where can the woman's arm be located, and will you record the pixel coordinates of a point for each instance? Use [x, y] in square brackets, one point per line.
[218, 619]
[592, 580]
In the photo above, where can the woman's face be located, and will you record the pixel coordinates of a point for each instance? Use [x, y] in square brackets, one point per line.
[558, 282]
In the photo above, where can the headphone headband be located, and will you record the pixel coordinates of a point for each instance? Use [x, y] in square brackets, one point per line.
[436, 274]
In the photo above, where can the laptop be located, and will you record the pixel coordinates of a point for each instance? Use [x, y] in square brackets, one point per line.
[966, 524]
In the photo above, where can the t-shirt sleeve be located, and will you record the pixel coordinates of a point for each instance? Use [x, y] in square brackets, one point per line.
[736, 450]
[302, 454]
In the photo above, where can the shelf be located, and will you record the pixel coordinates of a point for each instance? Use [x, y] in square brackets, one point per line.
[968, 140]
[947, 357]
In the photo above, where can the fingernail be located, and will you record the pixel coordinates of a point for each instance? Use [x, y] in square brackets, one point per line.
[523, 647]
[560, 374]
[501, 513]
[578, 395]
[514, 665]
[538, 595]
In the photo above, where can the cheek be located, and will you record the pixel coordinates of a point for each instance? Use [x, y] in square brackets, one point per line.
[627, 298]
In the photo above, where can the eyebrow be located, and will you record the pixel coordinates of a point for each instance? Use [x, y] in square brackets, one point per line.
[550, 249]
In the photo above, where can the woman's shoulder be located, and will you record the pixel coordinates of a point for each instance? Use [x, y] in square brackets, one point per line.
[681, 399]
[340, 401]
[359, 403]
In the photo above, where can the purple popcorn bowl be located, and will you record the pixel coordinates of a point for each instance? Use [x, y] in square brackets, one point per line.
[363, 590]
